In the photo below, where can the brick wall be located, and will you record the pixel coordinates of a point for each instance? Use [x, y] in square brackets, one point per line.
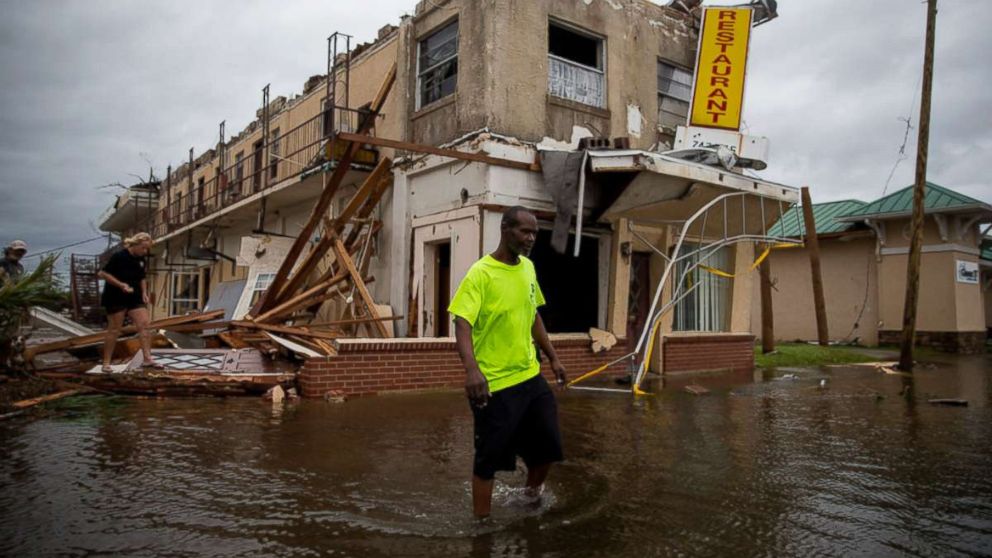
[704, 352]
[369, 366]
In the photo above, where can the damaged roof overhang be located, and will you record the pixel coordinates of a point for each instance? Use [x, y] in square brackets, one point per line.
[671, 189]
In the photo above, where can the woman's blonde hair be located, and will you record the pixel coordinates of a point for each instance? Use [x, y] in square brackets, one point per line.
[139, 238]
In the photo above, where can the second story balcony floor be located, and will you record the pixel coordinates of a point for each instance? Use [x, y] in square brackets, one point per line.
[136, 204]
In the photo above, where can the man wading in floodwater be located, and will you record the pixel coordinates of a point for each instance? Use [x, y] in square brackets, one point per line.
[496, 325]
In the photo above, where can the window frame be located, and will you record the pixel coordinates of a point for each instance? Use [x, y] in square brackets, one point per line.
[421, 72]
[256, 291]
[688, 101]
[601, 55]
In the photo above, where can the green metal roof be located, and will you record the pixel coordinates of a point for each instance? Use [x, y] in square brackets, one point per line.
[825, 217]
[936, 200]
[986, 249]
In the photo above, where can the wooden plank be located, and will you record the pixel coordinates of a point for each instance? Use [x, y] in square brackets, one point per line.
[440, 151]
[313, 257]
[233, 340]
[302, 300]
[354, 321]
[98, 337]
[294, 346]
[287, 330]
[326, 197]
[371, 312]
[368, 208]
[24, 404]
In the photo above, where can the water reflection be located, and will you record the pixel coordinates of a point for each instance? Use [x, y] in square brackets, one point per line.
[765, 464]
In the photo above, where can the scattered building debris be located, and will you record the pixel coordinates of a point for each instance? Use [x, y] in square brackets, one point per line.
[602, 340]
[696, 389]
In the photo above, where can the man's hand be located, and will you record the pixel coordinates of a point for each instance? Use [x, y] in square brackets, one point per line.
[559, 369]
[477, 388]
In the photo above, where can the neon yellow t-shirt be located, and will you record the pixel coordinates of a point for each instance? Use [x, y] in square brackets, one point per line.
[500, 301]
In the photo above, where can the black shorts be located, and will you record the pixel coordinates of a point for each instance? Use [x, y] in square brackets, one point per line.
[123, 307]
[519, 420]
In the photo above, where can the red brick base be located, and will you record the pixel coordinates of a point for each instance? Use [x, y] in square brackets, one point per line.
[369, 366]
[706, 352]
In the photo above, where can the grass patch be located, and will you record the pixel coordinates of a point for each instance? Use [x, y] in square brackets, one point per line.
[802, 354]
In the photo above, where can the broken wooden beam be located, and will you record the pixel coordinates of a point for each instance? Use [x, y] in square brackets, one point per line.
[286, 330]
[317, 253]
[98, 337]
[363, 292]
[326, 197]
[440, 151]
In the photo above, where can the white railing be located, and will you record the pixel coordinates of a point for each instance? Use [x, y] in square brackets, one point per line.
[576, 82]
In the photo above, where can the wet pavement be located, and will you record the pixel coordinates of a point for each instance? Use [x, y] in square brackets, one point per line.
[765, 464]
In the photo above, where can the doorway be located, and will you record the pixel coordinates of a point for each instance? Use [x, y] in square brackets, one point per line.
[442, 289]
[570, 285]
[257, 164]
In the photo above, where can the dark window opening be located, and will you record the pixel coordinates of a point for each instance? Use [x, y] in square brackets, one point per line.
[575, 47]
[256, 176]
[570, 285]
[437, 64]
[442, 289]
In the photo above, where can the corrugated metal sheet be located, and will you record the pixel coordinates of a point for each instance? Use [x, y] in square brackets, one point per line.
[937, 198]
[825, 217]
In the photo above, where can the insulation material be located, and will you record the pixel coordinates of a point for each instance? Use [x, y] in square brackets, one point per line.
[561, 170]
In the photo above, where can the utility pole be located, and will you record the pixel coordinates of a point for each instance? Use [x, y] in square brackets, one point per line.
[813, 247]
[767, 320]
[916, 241]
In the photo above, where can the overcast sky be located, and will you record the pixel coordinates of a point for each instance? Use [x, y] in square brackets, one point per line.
[93, 91]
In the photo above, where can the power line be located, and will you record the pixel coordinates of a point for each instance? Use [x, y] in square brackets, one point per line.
[42, 253]
[905, 138]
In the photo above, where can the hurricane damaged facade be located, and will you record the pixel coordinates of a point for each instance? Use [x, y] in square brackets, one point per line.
[524, 83]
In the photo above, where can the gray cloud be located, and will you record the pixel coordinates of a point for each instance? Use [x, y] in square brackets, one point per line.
[90, 86]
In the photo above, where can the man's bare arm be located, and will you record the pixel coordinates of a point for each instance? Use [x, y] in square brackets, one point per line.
[541, 336]
[476, 386]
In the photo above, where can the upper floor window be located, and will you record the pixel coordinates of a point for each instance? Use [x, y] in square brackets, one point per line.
[674, 94]
[576, 65]
[437, 65]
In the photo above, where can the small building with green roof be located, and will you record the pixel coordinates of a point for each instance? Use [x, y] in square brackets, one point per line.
[864, 248]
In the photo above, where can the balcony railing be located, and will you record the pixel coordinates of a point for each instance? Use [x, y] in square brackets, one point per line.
[290, 154]
[576, 82]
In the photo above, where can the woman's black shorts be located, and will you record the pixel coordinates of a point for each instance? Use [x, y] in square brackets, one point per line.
[518, 420]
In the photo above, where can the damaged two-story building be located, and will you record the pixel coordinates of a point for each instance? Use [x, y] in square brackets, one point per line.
[580, 100]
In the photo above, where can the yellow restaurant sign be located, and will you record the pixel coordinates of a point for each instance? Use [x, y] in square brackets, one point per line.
[718, 91]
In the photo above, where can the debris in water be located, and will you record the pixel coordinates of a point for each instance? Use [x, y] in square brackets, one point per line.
[275, 394]
[696, 390]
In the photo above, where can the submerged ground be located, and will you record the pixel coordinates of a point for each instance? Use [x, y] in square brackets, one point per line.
[768, 464]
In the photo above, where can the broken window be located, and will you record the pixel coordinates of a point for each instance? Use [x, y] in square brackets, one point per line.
[576, 65]
[185, 293]
[262, 282]
[707, 305]
[674, 94]
[437, 65]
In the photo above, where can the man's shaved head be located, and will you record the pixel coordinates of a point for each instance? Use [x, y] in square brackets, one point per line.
[511, 217]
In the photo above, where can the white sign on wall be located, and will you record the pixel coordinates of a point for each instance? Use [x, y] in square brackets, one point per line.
[967, 272]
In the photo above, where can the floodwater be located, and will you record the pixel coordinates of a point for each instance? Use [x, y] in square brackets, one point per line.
[763, 465]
